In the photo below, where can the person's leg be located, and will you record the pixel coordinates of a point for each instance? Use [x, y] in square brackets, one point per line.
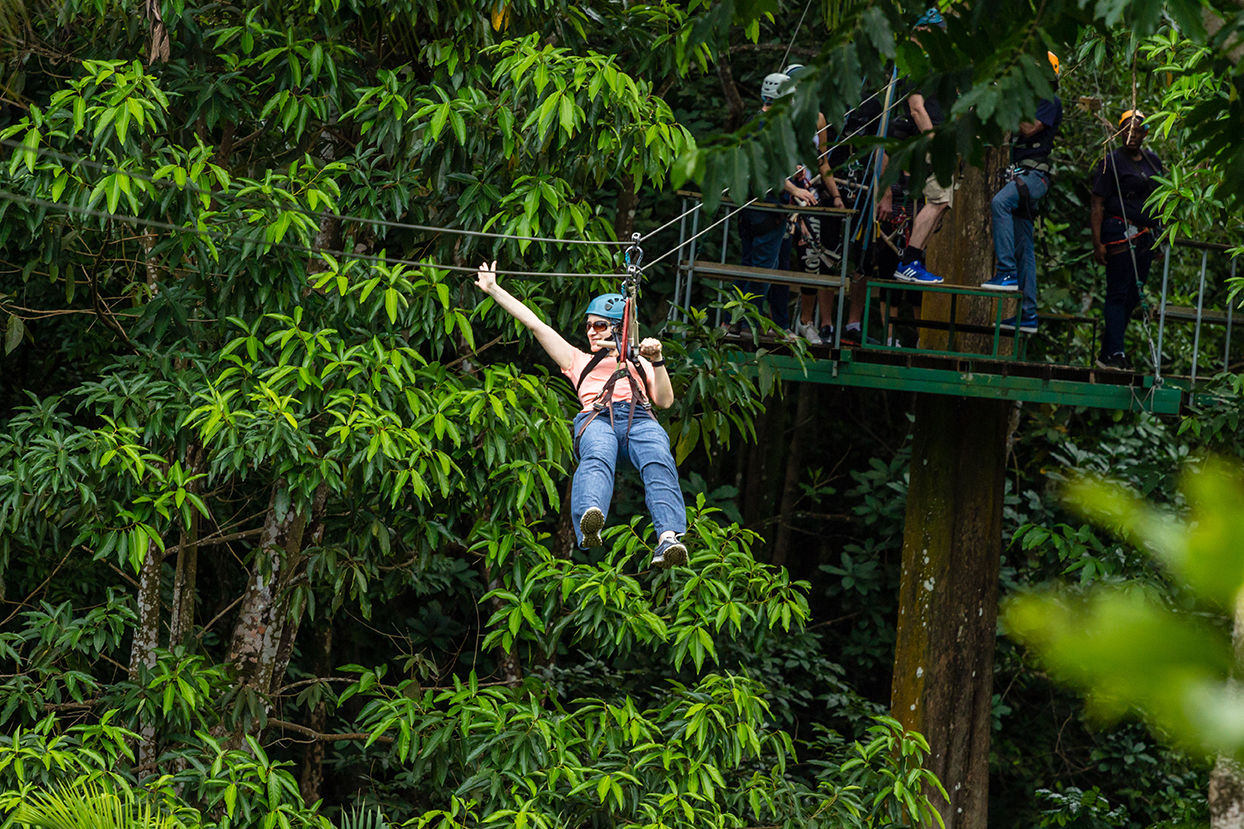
[648, 449]
[1003, 207]
[1120, 287]
[923, 225]
[593, 478]
[1024, 252]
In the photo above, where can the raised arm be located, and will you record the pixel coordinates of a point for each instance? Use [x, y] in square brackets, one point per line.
[553, 343]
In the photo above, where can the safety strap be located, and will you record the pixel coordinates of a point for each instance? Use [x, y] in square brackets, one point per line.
[1128, 239]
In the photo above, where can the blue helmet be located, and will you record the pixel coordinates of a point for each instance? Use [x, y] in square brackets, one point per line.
[931, 17]
[609, 306]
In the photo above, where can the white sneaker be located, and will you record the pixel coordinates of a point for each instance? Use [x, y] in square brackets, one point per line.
[807, 330]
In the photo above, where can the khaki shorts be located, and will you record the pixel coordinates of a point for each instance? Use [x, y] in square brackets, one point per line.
[935, 193]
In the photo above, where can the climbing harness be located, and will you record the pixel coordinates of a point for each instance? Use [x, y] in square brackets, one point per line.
[625, 340]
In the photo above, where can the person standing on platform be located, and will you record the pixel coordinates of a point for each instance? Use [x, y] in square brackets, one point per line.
[926, 114]
[1124, 230]
[762, 231]
[810, 239]
[1016, 204]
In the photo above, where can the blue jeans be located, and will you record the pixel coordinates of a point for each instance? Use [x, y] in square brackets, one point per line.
[1012, 237]
[647, 447]
[765, 250]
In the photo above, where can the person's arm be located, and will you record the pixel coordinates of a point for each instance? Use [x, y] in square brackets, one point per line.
[1097, 211]
[919, 115]
[1030, 128]
[553, 343]
[803, 194]
[884, 205]
[662, 392]
[822, 154]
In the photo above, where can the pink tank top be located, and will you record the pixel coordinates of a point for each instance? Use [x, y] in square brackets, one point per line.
[594, 383]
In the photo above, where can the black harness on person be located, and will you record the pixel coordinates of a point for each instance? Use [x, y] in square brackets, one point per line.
[624, 335]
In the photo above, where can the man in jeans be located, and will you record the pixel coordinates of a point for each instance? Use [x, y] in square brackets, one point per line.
[1015, 206]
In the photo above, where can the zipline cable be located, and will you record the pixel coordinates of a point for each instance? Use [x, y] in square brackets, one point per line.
[50, 153]
[237, 236]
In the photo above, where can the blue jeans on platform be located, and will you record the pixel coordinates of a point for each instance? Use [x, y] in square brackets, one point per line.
[647, 447]
[764, 250]
[1012, 237]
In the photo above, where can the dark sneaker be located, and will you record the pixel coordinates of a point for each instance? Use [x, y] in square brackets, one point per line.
[826, 334]
[669, 553]
[1115, 360]
[916, 272]
[1028, 325]
[592, 522]
[1002, 282]
[851, 336]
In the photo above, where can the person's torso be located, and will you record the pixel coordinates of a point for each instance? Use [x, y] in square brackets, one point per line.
[1038, 146]
[1126, 184]
[593, 383]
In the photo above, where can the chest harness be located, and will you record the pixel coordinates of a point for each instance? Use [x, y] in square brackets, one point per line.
[624, 340]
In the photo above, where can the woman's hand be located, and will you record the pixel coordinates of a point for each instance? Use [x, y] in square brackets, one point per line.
[650, 349]
[486, 277]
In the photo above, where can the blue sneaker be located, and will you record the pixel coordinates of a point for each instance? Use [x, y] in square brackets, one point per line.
[916, 272]
[1027, 325]
[1002, 282]
[669, 553]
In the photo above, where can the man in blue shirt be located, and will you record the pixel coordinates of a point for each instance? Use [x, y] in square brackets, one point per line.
[1015, 206]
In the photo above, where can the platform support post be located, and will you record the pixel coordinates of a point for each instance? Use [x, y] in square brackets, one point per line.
[948, 600]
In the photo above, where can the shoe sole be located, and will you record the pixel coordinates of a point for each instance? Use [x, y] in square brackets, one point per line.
[675, 556]
[1109, 367]
[1010, 289]
[1022, 329]
[592, 522]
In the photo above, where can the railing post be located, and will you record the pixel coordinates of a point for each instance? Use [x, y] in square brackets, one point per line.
[1226, 349]
[844, 224]
[1200, 304]
[1166, 273]
[678, 273]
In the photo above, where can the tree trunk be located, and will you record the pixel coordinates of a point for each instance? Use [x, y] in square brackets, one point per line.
[942, 684]
[794, 465]
[185, 577]
[258, 632]
[948, 600]
[1226, 781]
[731, 92]
[962, 252]
[311, 780]
[147, 639]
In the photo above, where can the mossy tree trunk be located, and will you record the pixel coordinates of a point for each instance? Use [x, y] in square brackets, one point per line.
[943, 663]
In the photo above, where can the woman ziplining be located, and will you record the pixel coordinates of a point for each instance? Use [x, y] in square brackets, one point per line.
[617, 384]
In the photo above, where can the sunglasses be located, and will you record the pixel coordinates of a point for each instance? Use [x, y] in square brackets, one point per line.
[599, 326]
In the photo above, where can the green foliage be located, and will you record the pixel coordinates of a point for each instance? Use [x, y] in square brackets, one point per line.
[88, 805]
[1130, 651]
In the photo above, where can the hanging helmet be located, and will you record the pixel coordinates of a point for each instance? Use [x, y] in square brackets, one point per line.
[609, 306]
[770, 87]
[793, 70]
[1129, 115]
[931, 17]
[1053, 62]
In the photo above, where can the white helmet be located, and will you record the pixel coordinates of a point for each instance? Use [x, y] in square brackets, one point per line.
[770, 87]
[794, 69]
